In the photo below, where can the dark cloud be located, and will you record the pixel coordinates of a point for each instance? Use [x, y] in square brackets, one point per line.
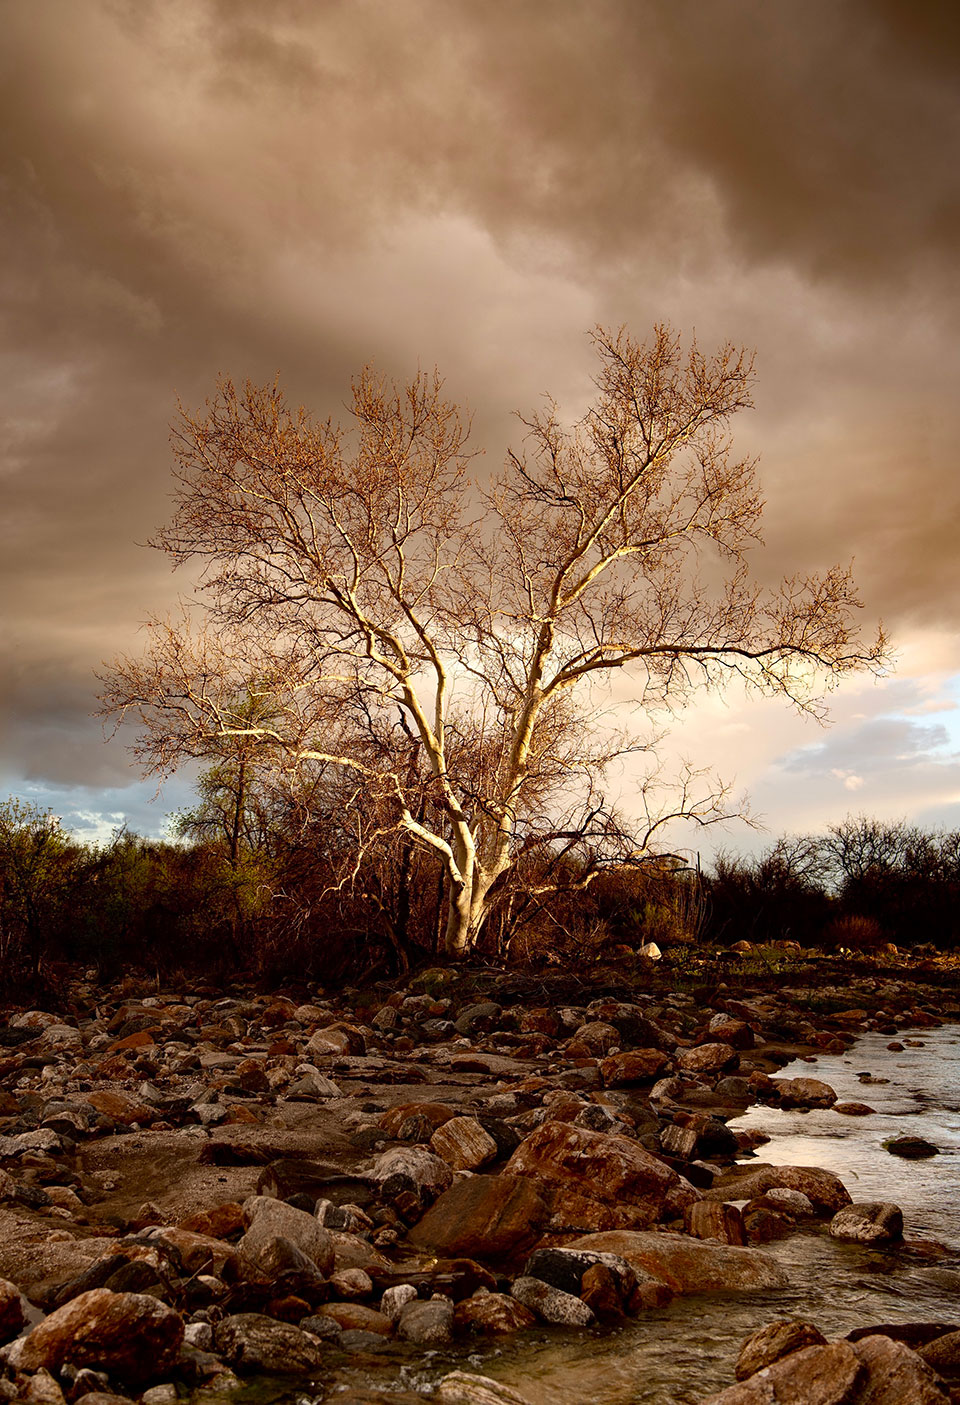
[191, 186]
[882, 744]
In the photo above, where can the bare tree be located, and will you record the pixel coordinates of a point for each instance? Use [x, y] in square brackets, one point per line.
[378, 591]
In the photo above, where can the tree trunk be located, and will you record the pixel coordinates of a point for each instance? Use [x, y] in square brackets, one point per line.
[466, 915]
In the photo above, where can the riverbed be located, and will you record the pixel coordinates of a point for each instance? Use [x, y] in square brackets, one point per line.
[678, 1354]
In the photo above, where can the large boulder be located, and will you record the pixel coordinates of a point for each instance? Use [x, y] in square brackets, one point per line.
[131, 1335]
[895, 1375]
[483, 1217]
[689, 1265]
[601, 1166]
[252, 1342]
[815, 1375]
[825, 1191]
[805, 1092]
[769, 1343]
[270, 1219]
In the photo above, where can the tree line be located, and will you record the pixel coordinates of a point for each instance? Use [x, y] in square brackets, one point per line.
[285, 898]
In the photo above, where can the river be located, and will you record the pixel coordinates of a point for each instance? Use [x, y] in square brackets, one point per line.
[678, 1354]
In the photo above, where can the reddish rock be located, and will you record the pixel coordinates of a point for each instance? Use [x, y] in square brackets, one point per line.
[689, 1265]
[815, 1375]
[773, 1341]
[11, 1310]
[712, 1219]
[492, 1313]
[607, 1167]
[140, 1040]
[464, 1144]
[485, 1216]
[636, 1066]
[121, 1107]
[895, 1375]
[708, 1058]
[435, 1114]
[599, 1290]
[129, 1334]
[221, 1222]
[805, 1092]
[356, 1317]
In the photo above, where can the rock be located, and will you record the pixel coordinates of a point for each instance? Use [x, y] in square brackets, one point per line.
[689, 1265]
[356, 1317]
[425, 1172]
[727, 1030]
[895, 1375]
[270, 1219]
[474, 1018]
[129, 1334]
[787, 1202]
[252, 1342]
[492, 1313]
[564, 1268]
[773, 1341]
[873, 1222]
[911, 1148]
[395, 1300]
[814, 1375]
[11, 1310]
[943, 1354]
[854, 1109]
[825, 1191]
[600, 1290]
[121, 1108]
[351, 1283]
[602, 1166]
[713, 1219]
[632, 1067]
[551, 1304]
[428, 1324]
[594, 1039]
[483, 1216]
[708, 1058]
[804, 1092]
[680, 1142]
[464, 1388]
[463, 1144]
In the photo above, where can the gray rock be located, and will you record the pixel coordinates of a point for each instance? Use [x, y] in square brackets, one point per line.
[271, 1219]
[874, 1222]
[253, 1342]
[551, 1304]
[428, 1324]
[464, 1388]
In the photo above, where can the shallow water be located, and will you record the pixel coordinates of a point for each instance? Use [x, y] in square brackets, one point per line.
[678, 1354]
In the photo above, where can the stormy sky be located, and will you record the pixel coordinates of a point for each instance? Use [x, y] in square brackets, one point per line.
[255, 187]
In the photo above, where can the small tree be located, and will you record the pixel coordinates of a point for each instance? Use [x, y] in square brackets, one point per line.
[394, 607]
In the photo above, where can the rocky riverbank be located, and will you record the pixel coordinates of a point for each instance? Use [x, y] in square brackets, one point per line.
[199, 1188]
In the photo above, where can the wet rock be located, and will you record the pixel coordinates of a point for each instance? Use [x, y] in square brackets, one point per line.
[551, 1304]
[911, 1148]
[600, 1290]
[814, 1375]
[854, 1109]
[464, 1388]
[463, 1144]
[252, 1342]
[715, 1220]
[129, 1334]
[825, 1191]
[564, 1268]
[805, 1092]
[474, 1018]
[874, 1222]
[773, 1341]
[895, 1375]
[271, 1219]
[680, 1142]
[395, 1300]
[428, 1324]
[943, 1354]
[689, 1265]
[491, 1313]
[727, 1030]
[485, 1216]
